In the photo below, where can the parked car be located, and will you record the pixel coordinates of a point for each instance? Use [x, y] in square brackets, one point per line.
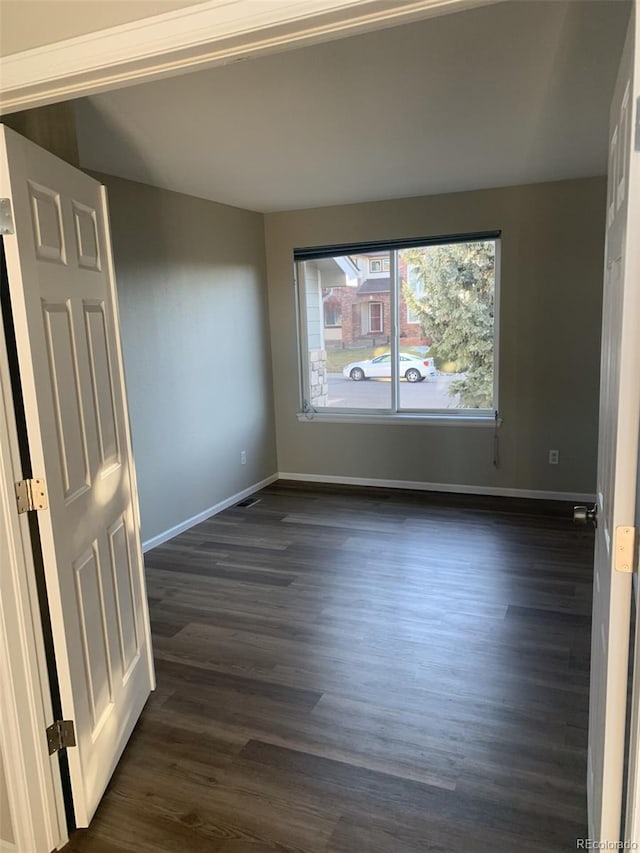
[413, 369]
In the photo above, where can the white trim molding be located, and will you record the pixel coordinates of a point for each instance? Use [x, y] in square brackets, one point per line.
[437, 419]
[455, 488]
[211, 33]
[411, 485]
[35, 792]
[207, 513]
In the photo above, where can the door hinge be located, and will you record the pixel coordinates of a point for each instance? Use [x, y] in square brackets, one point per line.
[6, 217]
[31, 494]
[637, 145]
[624, 559]
[61, 735]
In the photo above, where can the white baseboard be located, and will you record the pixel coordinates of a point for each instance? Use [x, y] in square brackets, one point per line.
[440, 487]
[363, 481]
[207, 513]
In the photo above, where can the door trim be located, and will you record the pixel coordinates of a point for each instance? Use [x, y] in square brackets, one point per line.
[629, 361]
[196, 37]
[35, 795]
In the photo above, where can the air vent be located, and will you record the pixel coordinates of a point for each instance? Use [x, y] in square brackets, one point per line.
[249, 502]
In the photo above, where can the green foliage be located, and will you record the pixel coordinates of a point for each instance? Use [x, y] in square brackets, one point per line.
[455, 303]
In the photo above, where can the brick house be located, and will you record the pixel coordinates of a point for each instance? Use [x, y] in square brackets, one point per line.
[357, 310]
[348, 304]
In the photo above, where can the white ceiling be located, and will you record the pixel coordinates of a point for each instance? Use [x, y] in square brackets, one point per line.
[506, 94]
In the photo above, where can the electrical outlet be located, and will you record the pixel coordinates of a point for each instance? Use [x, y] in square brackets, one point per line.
[243, 457]
[554, 457]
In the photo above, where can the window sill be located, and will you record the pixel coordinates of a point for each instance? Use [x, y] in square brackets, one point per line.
[409, 419]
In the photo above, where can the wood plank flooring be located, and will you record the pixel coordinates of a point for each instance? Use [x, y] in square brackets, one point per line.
[362, 671]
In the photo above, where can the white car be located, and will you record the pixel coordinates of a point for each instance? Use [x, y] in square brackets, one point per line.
[413, 369]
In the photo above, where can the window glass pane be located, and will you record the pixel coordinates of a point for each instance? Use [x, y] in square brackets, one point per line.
[443, 301]
[346, 319]
[376, 317]
[416, 286]
[332, 313]
[446, 308]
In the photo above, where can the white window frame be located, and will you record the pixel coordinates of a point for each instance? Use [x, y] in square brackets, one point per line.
[383, 265]
[370, 329]
[437, 417]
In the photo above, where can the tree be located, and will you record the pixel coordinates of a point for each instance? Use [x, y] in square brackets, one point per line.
[452, 291]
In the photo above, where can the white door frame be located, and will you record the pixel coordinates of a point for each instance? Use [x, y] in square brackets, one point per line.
[35, 791]
[629, 368]
[196, 37]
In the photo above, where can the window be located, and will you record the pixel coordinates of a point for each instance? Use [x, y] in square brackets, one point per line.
[425, 347]
[332, 315]
[376, 317]
[377, 265]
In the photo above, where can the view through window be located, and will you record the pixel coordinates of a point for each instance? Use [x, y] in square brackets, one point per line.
[400, 328]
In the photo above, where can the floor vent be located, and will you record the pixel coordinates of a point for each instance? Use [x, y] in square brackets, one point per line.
[249, 502]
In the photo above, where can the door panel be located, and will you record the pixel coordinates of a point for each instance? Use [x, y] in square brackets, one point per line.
[617, 464]
[65, 312]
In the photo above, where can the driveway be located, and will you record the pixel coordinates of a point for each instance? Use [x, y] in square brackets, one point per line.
[432, 393]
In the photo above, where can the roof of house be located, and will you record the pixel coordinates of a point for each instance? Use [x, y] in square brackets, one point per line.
[374, 285]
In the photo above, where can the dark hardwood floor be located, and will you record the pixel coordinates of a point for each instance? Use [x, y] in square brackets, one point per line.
[362, 671]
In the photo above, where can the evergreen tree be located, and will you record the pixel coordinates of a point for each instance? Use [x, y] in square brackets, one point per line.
[454, 299]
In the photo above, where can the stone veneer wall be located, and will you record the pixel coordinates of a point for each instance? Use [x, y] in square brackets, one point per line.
[319, 385]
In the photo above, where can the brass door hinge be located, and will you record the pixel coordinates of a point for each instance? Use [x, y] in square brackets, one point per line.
[31, 494]
[60, 735]
[624, 549]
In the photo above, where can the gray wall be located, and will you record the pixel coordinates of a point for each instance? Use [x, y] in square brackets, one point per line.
[193, 305]
[552, 264]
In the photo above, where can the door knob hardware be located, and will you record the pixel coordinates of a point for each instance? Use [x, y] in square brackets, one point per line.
[584, 514]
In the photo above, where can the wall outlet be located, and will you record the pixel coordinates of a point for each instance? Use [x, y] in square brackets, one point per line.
[243, 457]
[554, 457]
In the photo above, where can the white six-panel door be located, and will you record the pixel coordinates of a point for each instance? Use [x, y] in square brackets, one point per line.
[617, 461]
[66, 321]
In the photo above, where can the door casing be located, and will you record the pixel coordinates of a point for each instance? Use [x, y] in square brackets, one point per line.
[35, 793]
